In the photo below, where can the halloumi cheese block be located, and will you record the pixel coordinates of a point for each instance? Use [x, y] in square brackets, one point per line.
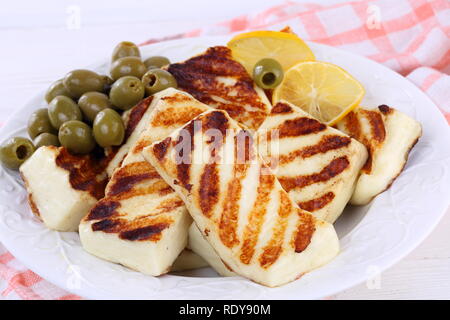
[238, 204]
[61, 187]
[389, 135]
[217, 80]
[200, 245]
[316, 164]
[142, 223]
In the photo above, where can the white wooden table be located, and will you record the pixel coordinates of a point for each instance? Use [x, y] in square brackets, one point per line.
[42, 40]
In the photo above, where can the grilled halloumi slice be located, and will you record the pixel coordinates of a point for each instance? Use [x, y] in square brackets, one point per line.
[215, 79]
[316, 164]
[389, 135]
[142, 223]
[61, 187]
[201, 246]
[238, 204]
[172, 109]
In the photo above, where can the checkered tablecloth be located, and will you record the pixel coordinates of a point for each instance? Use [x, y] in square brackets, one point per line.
[410, 37]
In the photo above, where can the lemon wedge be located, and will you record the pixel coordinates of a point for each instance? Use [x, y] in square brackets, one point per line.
[287, 48]
[324, 90]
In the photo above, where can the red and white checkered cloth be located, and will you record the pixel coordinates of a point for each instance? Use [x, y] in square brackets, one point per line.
[409, 36]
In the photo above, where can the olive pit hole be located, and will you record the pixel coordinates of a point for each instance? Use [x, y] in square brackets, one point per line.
[269, 78]
[21, 152]
[151, 80]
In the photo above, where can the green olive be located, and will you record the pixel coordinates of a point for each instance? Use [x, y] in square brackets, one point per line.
[39, 122]
[76, 136]
[92, 103]
[108, 128]
[268, 73]
[56, 89]
[15, 151]
[155, 80]
[127, 66]
[62, 109]
[46, 139]
[126, 92]
[81, 81]
[156, 62]
[125, 49]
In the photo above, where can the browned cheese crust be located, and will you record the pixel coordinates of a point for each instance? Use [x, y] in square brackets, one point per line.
[200, 76]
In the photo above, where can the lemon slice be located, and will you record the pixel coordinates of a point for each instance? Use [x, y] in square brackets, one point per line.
[287, 48]
[324, 90]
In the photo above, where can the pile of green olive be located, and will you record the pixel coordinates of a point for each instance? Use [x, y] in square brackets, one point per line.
[84, 108]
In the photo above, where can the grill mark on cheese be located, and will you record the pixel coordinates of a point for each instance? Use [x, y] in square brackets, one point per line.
[385, 109]
[317, 203]
[377, 129]
[105, 225]
[172, 117]
[200, 77]
[305, 230]
[169, 205]
[274, 247]
[208, 191]
[334, 168]
[281, 108]
[166, 190]
[175, 99]
[183, 145]
[326, 143]
[353, 125]
[287, 29]
[129, 176]
[103, 209]
[229, 216]
[256, 216]
[243, 146]
[86, 172]
[299, 127]
[136, 115]
[376, 125]
[160, 187]
[215, 122]
[144, 229]
[140, 145]
[152, 233]
[160, 149]
[367, 167]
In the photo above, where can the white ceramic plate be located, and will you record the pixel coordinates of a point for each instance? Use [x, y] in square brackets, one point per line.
[373, 237]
